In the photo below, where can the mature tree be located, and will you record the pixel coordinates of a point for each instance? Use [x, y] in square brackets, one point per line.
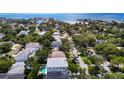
[95, 70]
[96, 59]
[116, 62]
[85, 40]
[41, 55]
[73, 67]
[46, 39]
[5, 63]
[34, 71]
[5, 47]
[32, 28]
[33, 37]
[121, 52]
[114, 76]
[8, 37]
[87, 60]
[31, 68]
[107, 49]
[66, 45]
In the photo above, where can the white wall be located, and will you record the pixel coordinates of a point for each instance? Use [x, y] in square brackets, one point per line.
[52, 69]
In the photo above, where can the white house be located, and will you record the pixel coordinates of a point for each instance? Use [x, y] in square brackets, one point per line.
[24, 32]
[57, 66]
[23, 55]
[56, 36]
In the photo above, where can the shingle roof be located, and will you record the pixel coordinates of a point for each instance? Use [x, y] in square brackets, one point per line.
[32, 45]
[57, 54]
[56, 44]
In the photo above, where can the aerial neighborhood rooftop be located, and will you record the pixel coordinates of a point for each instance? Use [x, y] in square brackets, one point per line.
[47, 48]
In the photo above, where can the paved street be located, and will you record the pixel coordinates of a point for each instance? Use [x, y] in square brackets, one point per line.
[78, 58]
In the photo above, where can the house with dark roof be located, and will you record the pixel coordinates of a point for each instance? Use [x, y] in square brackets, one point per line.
[56, 44]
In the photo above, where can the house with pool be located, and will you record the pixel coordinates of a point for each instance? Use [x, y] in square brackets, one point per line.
[57, 65]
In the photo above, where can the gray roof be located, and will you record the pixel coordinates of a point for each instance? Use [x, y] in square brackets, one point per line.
[33, 45]
[16, 71]
[23, 55]
[57, 62]
[1, 35]
[23, 33]
[56, 44]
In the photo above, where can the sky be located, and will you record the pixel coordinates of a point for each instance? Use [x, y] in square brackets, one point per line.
[61, 6]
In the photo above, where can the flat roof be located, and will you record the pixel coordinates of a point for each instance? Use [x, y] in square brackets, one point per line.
[57, 62]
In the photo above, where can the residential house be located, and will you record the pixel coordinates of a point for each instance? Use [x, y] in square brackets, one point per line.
[56, 36]
[30, 49]
[99, 41]
[42, 33]
[56, 44]
[15, 49]
[24, 54]
[24, 32]
[1, 35]
[57, 66]
[16, 71]
[33, 45]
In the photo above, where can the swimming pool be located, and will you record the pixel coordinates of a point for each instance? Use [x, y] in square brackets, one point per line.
[43, 70]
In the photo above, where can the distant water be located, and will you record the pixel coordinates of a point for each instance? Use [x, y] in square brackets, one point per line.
[68, 17]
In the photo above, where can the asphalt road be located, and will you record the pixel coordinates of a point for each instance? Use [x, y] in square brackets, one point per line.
[78, 58]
